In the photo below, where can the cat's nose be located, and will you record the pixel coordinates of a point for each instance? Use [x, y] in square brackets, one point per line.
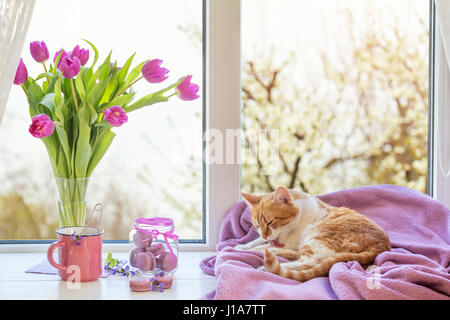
[265, 235]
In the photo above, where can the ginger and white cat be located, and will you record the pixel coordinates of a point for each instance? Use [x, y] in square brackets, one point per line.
[310, 233]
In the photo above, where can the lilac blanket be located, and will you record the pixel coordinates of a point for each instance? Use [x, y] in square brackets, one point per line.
[417, 267]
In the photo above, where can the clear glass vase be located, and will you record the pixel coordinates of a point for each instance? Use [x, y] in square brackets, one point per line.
[72, 200]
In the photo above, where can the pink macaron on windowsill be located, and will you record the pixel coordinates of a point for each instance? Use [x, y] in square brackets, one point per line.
[154, 246]
[159, 282]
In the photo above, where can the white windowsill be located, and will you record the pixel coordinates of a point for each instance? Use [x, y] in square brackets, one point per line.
[189, 281]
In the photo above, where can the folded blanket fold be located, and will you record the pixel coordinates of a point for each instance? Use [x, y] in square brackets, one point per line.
[417, 267]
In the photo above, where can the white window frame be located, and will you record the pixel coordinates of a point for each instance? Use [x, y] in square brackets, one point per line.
[439, 106]
[224, 107]
[222, 99]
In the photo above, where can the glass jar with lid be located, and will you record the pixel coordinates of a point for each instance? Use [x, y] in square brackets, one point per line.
[153, 246]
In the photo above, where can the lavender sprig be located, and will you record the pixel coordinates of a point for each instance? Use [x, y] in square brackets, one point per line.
[76, 238]
[155, 285]
[117, 266]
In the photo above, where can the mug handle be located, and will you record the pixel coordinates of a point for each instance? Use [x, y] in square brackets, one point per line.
[50, 251]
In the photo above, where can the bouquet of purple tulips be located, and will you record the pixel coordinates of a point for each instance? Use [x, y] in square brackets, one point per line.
[73, 108]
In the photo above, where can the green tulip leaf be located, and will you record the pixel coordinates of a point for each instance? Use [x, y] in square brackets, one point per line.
[44, 75]
[83, 149]
[146, 101]
[51, 87]
[52, 150]
[153, 97]
[110, 89]
[96, 93]
[120, 101]
[35, 96]
[62, 135]
[103, 71]
[95, 52]
[88, 79]
[57, 91]
[134, 73]
[49, 102]
[102, 144]
[124, 70]
[93, 115]
[59, 116]
[55, 69]
[62, 168]
[80, 87]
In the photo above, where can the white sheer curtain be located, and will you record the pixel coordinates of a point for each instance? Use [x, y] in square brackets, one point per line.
[15, 16]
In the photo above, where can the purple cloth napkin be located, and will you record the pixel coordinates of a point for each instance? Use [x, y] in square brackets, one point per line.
[417, 267]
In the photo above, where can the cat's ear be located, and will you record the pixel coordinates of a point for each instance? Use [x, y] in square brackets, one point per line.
[251, 199]
[282, 196]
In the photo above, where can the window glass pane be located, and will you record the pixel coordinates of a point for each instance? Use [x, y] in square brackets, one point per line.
[339, 89]
[154, 165]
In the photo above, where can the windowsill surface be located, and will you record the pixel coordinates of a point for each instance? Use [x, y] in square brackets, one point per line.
[189, 281]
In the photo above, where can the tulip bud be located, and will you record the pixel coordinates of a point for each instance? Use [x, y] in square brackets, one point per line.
[70, 67]
[152, 71]
[39, 51]
[81, 54]
[187, 90]
[21, 73]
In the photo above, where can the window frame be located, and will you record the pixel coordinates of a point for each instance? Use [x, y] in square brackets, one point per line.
[439, 98]
[431, 179]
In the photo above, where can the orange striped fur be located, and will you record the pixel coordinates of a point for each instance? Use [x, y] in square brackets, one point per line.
[311, 234]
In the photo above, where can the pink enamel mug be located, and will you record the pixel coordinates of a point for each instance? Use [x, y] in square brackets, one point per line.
[79, 253]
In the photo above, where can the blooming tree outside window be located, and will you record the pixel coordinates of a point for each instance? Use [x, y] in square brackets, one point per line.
[345, 83]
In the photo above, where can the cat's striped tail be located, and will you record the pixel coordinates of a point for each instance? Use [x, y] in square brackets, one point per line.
[271, 264]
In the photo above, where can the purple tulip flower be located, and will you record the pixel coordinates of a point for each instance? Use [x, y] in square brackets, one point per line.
[64, 54]
[81, 54]
[41, 126]
[115, 116]
[39, 51]
[187, 90]
[152, 71]
[70, 67]
[21, 73]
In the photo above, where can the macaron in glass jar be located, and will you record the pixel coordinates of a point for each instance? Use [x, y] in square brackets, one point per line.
[154, 246]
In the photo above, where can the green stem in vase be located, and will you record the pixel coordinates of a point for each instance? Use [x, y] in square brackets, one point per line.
[74, 95]
[72, 200]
